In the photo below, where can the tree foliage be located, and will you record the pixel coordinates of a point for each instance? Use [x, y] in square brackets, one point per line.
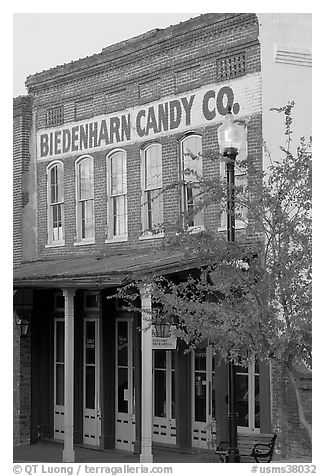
[252, 297]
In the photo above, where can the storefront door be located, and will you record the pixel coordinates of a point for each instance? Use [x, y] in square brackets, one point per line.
[91, 410]
[59, 379]
[203, 399]
[124, 393]
[164, 423]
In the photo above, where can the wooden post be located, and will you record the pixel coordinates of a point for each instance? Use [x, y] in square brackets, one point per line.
[146, 376]
[68, 451]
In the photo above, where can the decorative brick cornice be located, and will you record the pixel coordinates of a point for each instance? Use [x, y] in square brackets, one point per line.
[142, 46]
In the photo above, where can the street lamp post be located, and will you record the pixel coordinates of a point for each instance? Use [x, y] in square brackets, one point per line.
[230, 139]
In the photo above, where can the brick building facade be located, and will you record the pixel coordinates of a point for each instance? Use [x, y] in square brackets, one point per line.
[86, 133]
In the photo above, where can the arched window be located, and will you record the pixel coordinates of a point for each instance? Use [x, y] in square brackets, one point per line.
[85, 199]
[55, 200]
[117, 196]
[151, 184]
[191, 172]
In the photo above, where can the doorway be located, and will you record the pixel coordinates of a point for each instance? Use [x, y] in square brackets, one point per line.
[124, 388]
[164, 422]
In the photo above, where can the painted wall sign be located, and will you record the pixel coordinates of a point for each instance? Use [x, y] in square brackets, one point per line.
[200, 107]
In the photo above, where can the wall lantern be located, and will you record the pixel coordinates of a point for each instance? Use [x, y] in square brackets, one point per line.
[23, 305]
[162, 327]
[22, 320]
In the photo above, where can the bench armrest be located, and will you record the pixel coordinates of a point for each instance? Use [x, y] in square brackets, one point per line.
[222, 446]
[262, 451]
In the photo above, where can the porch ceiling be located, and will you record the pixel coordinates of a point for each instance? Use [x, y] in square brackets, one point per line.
[99, 271]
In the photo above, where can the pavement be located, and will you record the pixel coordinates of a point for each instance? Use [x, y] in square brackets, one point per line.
[51, 452]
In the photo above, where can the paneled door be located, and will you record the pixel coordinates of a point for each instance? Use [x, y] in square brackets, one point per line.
[164, 423]
[59, 379]
[91, 409]
[203, 398]
[124, 389]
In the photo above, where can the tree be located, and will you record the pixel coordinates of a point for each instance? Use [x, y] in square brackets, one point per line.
[251, 298]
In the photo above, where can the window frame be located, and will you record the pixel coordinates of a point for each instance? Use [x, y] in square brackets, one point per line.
[50, 205]
[195, 228]
[251, 373]
[147, 232]
[109, 216]
[79, 239]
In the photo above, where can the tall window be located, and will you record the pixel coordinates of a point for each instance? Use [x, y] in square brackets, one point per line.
[240, 186]
[55, 199]
[85, 200]
[248, 397]
[191, 172]
[117, 198]
[152, 204]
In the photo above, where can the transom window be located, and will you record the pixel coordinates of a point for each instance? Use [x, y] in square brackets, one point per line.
[117, 196]
[85, 200]
[152, 202]
[191, 173]
[55, 198]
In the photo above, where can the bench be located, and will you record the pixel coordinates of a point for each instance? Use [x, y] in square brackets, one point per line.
[258, 446]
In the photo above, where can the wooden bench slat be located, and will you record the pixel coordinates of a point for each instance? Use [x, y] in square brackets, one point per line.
[247, 444]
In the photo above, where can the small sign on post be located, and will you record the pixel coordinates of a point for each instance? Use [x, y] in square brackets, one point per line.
[164, 343]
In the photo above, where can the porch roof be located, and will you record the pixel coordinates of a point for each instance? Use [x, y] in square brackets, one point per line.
[99, 271]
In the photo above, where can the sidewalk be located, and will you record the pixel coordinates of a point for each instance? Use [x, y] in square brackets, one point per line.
[51, 452]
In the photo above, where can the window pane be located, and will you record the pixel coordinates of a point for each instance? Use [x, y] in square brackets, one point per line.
[242, 399]
[90, 386]
[54, 184]
[200, 396]
[153, 167]
[119, 215]
[173, 414]
[153, 208]
[122, 376]
[257, 401]
[91, 301]
[192, 157]
[159, 359]
[90, 342]
[200, 361]
[86, 179]
[87, 219]
[122, 342]
[118, 174]
[59, 397]
[160, 393]
[60, 341]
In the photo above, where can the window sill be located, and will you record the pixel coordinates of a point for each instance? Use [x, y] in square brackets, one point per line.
[117, 239]
[57, 244]
[82, 243]
[151, 236]
[239, 226]
[195, 229]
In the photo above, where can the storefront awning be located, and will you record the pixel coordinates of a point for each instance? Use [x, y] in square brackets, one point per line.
[99, 271]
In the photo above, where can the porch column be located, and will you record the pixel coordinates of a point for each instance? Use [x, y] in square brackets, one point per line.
[68, 451]
[146, 376]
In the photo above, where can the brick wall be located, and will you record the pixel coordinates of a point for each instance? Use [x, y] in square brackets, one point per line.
[22, 121]
[155, 65]
[21, 388]
[293, 441]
